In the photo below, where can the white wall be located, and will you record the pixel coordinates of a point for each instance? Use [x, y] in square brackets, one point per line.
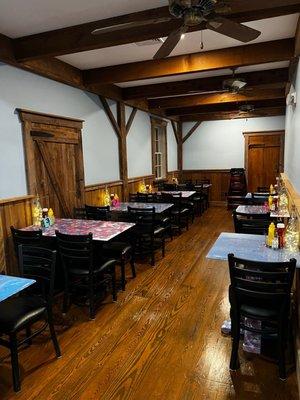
[172, 149]
[139, 153]
[20, 89]
[220, 144]
[292, 139]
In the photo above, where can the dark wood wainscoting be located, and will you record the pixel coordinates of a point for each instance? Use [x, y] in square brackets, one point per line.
[17, 212]
[219, 179]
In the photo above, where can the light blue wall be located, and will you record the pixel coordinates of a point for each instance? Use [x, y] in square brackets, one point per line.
[292, 139]
[221, 144]
[172, 149]
[20, 89]
[139, 145]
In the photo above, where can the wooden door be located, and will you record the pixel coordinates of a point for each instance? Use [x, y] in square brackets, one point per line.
[54, 161]
[264, 153]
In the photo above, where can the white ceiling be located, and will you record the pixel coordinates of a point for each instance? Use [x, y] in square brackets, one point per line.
[272, 29]
[219, 72]
[26, 17]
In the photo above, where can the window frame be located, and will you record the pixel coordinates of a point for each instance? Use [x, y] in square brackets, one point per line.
[159, 125]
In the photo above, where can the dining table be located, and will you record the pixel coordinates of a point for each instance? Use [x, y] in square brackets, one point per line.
[159, 207]
[12, 285]
[261, 210]
[249, 247]
[103, 231]
[185, 194]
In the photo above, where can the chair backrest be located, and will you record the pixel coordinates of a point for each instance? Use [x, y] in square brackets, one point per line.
[76, 251]
[263, 189]
[28, 238]
[98, 213]
[170, 186]
[146, 197]
[79, 213]
[256, 224]
[142, 217]
[39, 264]
[261, 283]
[133, 197]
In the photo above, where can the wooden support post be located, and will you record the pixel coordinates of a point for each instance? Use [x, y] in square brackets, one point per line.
[130, 119]
[191, 131]
[179, 149]
[121, 118]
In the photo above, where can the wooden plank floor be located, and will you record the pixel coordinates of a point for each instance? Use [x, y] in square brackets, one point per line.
[160, 341]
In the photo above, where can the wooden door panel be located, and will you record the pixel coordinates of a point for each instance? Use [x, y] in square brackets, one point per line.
[263, 158]
[54, 161]
[255, 168]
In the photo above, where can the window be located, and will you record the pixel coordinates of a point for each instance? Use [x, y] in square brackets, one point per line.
[159, 148]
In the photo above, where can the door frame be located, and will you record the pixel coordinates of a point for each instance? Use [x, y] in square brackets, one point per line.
[247, 135]
[29, 119]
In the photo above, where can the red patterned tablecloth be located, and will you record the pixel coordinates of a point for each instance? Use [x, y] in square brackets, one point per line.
[101, 230]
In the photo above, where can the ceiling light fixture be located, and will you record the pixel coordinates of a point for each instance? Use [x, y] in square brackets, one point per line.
[182, 36]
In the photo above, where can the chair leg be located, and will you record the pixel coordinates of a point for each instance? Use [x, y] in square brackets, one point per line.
[15, 362]
[132, 267]
[281, 351]
[114, 283]
[123, 275]
[235, 333]
[163, 247]
[53, 334]
[92, 301]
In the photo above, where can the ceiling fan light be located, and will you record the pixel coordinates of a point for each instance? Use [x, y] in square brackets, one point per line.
[182, 36]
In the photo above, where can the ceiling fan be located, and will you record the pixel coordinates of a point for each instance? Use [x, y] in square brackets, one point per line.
[249, 110]
[192, 12]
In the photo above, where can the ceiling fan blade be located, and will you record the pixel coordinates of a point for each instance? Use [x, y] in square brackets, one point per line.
[232, 29]
[129, 25]
[171, 42]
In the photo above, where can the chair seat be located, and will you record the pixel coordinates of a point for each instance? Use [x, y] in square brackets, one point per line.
[18, 312]
[98, 268]
[258, 312]
[117, 248]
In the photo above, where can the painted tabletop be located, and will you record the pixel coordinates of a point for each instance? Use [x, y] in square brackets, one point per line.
[101, 230]
[262, 196]
[249, 247]
[11, 285]
[252, 210]
[159, 207]
[184, 193]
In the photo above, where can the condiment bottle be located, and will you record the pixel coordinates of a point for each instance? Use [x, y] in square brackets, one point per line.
[51, 216]
[280, 232]
[271, 233]
[270, 201]
[275, 242]
[271, 189]
[45, 213]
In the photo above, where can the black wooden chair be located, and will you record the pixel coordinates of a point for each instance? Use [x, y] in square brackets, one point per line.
[85, 274]
[256, 224]
[133, 197]
[35, 304]
[147, 197]
[79, 213]
[258, 198]
[261, 291]
[147, 235]
[28, 238]
[180, 213]
[98, 213]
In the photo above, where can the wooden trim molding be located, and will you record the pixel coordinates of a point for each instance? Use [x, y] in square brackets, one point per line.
[139, 178]
[102, 185]
[16, 199]
[49, 119]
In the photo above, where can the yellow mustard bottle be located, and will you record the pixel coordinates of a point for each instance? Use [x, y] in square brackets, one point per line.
[271, 233]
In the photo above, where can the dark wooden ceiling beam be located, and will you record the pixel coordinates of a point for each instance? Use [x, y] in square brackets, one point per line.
[79, 38]
[216, 98]
[222, 107]
[234, 114]
[253, 79]
[259, 53]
